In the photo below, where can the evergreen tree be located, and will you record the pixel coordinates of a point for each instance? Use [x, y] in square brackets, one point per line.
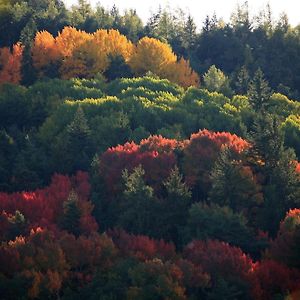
[175, 207]
[242, 81]
[138, 205]
[259, 92]
[78, 142]
[231, 185]
[18, 225]
[80, 15]
[277, 164]
[26, 38]
[117, 68]
[189, 34]
[70, 220]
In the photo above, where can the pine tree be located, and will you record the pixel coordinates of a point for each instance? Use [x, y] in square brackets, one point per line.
[259, 92]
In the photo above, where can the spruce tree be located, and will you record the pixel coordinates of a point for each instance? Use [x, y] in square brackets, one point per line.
[175, 207]
[277, 165]
[259, 92]
[71, 217]
[137, 204]
[242, 81]
[231, 186]
[78, 143]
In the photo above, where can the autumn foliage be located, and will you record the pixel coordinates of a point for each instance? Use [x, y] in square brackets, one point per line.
[10, 64]
[75, 53]
[45, 207]
[155, 154]
[203, 150]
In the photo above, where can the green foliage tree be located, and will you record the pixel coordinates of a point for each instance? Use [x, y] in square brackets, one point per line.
[218, 222]
[117, 68]
[216, 81]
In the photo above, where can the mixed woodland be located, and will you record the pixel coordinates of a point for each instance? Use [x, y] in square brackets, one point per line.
[148, 161]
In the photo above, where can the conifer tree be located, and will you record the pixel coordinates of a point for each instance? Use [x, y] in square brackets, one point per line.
[277, 164]
[175, 206]
[78, 142]
[71, 216]
[242, 81]
[137, 204]
[259, 92]
[232, 183]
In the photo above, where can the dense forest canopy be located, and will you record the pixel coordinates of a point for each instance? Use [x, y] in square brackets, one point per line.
[148, 161]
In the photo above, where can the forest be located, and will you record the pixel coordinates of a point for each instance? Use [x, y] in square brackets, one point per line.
[148, 161]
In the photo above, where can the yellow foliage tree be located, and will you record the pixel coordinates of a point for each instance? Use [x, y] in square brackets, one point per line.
[80, 54]
[75, 48]
[87, 60]
[10, 64]
[152, 55]
[69, 39]
[113, 43]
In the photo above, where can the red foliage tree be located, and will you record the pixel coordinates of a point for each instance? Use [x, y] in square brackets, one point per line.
[44, 207]
[155, 154]
[285, 248]
[142, 247]
[202, 151]
[271, 278]
[219, 259]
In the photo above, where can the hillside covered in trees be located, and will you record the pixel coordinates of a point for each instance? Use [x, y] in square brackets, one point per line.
[148, 161]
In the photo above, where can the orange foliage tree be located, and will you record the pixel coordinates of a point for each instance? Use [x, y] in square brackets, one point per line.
[10, 64]
[44, 52]
[80, 54]
[77, 53]
[182, 73]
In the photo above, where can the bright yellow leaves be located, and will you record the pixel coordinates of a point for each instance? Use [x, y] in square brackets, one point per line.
[10, 64]
[113, 43]
[152, 55]
[76, 53]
